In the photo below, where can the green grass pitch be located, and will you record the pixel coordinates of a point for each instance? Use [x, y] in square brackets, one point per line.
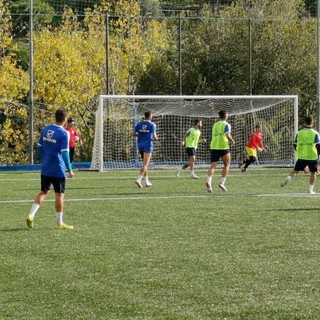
[172, 251]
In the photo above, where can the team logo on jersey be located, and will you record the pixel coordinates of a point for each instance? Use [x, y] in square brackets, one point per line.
[48, 136]
[50, 133]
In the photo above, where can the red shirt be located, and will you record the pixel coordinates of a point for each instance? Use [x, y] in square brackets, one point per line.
[255, 140]
[73, 133]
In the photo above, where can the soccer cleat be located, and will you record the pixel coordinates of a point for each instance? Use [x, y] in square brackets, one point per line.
[311, 192]
[208, 186]
[194, 176]
[64, 226]
[222, 187]
[240, 163]
[149, 184]
[30, 222]
[138, 184]
[243, 169]
[284, 183]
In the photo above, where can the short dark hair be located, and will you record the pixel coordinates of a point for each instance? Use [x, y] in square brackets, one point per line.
[222, 113]
[147, 114]
[258, 126]
[70, 120]
[308, 120]
[196, 121]
[61, 115]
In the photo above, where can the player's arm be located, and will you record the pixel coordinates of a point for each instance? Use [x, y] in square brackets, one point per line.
[230, 138]
[228, 134]
[66, 159]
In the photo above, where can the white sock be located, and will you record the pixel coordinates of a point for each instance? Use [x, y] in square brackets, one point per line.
[147, 179]
[209, 179]
[192, 171]
[34, 209]
[311, 187]
[223, 180]
[289, 178]
[59, 218]
[139, 178]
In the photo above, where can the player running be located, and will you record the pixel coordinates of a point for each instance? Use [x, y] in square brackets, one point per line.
[219, 147]
[190, 141]
[255, 143]
[307, 146]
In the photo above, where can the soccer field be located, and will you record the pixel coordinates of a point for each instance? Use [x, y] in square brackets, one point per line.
[172, 251]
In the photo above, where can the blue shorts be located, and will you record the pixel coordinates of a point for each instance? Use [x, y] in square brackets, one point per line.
[217, 154]
[58, 184]
[191, 152]
[301, 164]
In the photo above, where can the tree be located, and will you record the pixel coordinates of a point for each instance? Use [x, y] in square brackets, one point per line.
[13, 90]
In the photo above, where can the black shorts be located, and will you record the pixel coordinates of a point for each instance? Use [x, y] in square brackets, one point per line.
[217, 154]
[301, 164]
[191, 152]
[58, 184]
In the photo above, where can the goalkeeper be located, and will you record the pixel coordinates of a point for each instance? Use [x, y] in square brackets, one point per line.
[255, 143]
[190, 141]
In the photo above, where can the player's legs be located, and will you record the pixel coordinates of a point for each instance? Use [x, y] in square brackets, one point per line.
[211, 170]
[40, 197]
[59, 188]
[226, 159]
[299, 166]
[251, 158]
[144, 170]
[71, 153]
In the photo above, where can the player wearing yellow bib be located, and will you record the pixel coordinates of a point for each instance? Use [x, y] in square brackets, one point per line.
[219, 147]
[190, 141]
[307, 146]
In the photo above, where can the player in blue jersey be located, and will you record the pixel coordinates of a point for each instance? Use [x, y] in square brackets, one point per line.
[145, 131]
[54, 151]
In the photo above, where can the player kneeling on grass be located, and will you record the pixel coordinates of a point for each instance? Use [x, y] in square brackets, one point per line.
[255, 143]
[54, 152]
[190, 141]
[307, 146]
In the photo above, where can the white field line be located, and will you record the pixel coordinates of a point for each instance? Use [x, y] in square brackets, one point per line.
[175, 197]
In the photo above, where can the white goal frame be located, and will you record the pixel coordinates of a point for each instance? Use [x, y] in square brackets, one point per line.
[99, 134]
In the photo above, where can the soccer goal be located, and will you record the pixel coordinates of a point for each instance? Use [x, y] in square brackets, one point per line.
[115, 147]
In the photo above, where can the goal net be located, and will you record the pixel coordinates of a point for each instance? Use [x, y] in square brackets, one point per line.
[115, 146]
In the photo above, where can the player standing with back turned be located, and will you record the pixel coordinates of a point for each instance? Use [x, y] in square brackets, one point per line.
[219, 147]
[54, 151]
[145, 131]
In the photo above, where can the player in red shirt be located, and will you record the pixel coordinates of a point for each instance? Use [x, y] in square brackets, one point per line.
[74, 137]
[255, 143]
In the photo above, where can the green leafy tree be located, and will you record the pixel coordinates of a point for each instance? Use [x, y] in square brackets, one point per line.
[13, 90]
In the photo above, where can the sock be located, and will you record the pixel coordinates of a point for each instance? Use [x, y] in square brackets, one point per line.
[59, 218]
[192, 171]
[209, 179]
[34, 209]
[223, 180]
[311, 187]
[139, 178]
[289, 178]
[147, 179]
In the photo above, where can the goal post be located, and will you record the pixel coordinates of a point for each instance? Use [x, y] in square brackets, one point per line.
[115, 147]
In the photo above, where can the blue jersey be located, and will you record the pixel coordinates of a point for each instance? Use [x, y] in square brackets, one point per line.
[145, 130]
[53, 141]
